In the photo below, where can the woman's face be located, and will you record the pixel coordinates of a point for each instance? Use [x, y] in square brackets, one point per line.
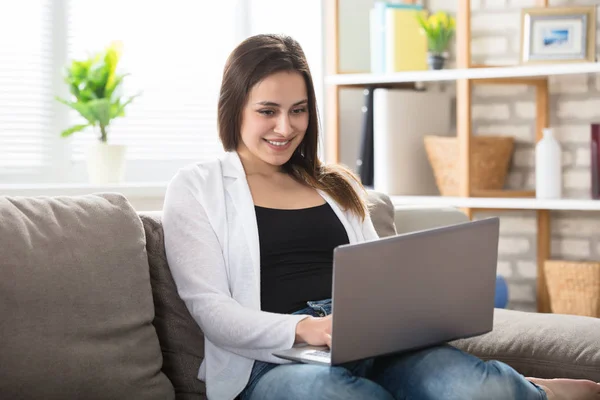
[274, 120]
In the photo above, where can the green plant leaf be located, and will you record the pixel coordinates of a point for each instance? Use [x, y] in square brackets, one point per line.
[96, 86]
[118, 109]
[73, 129]
[82, 109]
[100, 109]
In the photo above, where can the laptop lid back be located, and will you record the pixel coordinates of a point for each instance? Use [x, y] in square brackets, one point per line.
[414, 290]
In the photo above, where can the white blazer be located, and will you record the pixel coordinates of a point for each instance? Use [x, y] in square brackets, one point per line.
[212, 247]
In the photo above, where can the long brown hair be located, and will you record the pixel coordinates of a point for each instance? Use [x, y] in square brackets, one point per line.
[250, 62]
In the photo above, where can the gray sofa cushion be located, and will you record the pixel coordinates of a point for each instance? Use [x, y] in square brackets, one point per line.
[541, 345]
[181, 339]
[76, 302]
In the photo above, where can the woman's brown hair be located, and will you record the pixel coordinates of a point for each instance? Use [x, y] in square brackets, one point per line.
[252, 61]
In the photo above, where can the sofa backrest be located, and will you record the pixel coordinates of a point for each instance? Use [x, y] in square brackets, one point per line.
[76, 302]
[181, 339]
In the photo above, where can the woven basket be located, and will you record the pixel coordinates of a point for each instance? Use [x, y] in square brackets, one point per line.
[490, 158]
[574, 287]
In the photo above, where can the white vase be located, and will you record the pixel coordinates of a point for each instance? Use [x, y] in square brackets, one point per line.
[106, 163]
[548, 167]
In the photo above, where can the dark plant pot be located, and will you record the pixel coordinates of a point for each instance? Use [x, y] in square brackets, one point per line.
[435, 61]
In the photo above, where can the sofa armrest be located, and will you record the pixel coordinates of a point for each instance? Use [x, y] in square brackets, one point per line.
[415, 218]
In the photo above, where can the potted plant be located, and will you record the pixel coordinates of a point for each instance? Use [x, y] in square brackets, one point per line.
[96, 91]
[439, 29]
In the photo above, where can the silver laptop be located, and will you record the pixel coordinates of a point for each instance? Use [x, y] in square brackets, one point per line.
[409, 291]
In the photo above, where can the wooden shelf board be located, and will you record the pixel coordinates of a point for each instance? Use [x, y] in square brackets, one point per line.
[503, 193]
[498, 203]
[507, 73]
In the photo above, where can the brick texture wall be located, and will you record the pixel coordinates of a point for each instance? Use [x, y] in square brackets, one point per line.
[510, 110]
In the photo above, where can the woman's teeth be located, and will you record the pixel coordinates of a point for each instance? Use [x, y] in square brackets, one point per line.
[278, 143]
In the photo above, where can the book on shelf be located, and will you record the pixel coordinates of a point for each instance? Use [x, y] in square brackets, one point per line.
[395, 38]
[364, 162]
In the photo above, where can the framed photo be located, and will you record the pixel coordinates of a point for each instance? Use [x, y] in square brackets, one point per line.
[552, 34]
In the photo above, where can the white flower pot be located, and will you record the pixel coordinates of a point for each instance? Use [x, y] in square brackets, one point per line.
[106, 163]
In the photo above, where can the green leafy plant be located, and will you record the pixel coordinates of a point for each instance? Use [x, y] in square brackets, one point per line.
[438, 28]
[96, 88]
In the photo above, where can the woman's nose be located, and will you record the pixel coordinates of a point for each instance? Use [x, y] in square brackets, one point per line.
[283, 127]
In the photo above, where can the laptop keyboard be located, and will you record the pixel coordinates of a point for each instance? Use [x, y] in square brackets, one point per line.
[319, 353]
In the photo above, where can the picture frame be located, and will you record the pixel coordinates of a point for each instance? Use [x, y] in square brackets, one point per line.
[558, 34]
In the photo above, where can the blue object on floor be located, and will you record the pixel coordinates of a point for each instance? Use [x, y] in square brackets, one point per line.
[501, 298]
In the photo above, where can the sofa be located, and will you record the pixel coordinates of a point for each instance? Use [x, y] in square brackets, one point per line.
[89, 309]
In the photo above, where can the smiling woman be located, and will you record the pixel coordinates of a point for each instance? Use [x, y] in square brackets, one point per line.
[250, 237]
[274, 123]
[267, 113]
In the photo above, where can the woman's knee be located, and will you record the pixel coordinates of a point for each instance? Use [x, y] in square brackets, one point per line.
[482, 380]
[305, 381]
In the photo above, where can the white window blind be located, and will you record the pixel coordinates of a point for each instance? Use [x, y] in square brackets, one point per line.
[175, 51]
[25, 85]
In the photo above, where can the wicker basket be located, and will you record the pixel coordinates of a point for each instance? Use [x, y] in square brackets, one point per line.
[574, 287]
[490, 158]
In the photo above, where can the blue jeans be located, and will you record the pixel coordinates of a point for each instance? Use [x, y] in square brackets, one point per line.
[439, 372]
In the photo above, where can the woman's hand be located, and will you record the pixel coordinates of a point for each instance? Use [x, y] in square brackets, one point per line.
[314, 331]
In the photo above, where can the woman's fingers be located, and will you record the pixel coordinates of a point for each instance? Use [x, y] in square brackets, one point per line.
[328, 340]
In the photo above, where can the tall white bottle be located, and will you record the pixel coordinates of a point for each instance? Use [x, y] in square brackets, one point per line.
[548, 167]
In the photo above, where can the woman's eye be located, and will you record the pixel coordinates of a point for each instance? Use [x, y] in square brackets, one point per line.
[299, 110]
[266, 112]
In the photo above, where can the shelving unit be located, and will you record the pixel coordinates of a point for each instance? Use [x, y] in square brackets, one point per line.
[465, 75]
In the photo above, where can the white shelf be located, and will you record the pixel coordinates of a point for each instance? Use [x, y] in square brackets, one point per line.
[134, 189]
[497, 203]
[524, 71]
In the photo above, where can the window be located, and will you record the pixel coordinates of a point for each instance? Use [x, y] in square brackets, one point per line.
[174, 51]
[25, 86]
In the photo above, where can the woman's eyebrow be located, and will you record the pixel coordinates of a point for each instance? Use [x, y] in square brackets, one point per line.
[273, 104]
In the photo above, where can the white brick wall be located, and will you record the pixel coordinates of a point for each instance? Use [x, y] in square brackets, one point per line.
[583, 157]
[494, 4]
[521, 292]
[578, 249]
[568, 84]
[579, 109]
[518, 225]
[521, 3]
[572, 134]
[523, 133]
[526, 110]
[499, 90]
[504, 269]
[576, 179]
[511, 245]
[580, 226]
[495, 22]
[524, 158]
[567, 159]
[527, 269]
[482, 45]
[491, 112]
[511, 110]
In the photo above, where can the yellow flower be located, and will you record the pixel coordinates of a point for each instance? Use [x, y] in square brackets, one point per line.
[443, 19]
[433, 21]
[117, 47]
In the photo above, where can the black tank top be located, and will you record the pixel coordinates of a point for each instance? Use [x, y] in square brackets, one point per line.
[296, 255]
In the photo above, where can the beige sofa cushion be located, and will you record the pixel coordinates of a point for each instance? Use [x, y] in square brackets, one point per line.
[541, 345]
[75, 302]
